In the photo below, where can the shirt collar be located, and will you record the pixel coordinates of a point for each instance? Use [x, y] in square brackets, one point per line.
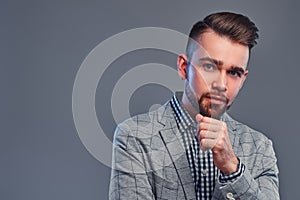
[182, 117]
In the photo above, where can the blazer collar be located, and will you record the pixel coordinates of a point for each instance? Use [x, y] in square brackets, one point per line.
[172, 139]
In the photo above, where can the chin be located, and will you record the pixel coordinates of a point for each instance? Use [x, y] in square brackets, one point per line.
[213, 111]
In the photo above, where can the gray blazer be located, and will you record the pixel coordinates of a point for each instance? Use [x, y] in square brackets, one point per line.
[149, 161]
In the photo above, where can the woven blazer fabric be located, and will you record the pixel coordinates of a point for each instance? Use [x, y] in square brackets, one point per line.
[149, 161]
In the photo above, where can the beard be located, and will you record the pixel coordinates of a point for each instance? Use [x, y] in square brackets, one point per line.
[213, 110]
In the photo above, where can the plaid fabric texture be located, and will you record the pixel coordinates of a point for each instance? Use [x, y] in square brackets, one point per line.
[203, 170]
[150, 161]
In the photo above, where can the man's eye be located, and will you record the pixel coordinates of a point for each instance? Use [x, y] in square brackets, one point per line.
[235, 73]
[209, 67]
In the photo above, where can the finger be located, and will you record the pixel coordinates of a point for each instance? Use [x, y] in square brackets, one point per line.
[211, 120]
[208, 126]
[208, 135]
[206, 144]
[213, 125]
[199, 117]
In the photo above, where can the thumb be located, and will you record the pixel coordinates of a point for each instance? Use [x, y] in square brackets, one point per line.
[199, 117]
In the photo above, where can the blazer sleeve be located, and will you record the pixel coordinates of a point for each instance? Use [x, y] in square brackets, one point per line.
[261, 183]
[129, 179]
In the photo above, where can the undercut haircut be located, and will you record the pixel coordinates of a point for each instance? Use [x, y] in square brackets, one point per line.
[238, 28]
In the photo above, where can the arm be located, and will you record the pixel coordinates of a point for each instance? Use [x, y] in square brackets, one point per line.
[128, 175]
[262, 184]
[257, 175]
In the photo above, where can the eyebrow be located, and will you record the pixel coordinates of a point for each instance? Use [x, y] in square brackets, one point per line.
[216, 62]
[220, 63]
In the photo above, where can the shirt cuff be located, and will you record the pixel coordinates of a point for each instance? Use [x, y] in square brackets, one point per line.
[229, 178]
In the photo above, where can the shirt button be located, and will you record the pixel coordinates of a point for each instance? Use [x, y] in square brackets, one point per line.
[204, 172]
[230, 196]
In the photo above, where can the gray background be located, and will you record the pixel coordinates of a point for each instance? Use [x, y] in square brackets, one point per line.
[43, 44]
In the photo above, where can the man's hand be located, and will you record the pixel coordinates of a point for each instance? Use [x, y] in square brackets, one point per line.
[213, 135]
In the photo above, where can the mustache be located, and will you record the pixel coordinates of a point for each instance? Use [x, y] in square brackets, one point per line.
[215, 95]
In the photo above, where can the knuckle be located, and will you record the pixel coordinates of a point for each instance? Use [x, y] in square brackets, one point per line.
[201, 125]
[202, 133]
[221, 142]
[222, 138]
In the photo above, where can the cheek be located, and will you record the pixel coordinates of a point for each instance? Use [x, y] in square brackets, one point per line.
[199, 84]
[233, 90]
[205, 79]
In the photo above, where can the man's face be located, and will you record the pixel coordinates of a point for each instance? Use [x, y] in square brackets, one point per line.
[215, 73]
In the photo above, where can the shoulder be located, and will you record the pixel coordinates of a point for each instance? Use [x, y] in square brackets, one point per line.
[246, 134]
[147, 123]
[253, 148]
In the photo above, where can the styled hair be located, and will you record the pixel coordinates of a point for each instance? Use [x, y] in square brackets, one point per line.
[236, 27]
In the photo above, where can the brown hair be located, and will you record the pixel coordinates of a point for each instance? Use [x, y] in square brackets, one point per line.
[236, 27]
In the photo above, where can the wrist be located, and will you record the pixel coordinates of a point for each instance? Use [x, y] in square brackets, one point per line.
[231, 167]
[229, 178]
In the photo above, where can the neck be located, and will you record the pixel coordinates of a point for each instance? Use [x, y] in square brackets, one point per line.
[191, 108]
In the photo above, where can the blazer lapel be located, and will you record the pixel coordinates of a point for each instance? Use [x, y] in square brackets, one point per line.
[173, 142]
[232, 132]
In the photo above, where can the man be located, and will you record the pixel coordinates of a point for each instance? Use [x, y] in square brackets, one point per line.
[190, 148]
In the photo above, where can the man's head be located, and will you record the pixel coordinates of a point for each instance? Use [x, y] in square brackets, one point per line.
[236, 27]
[215, 63]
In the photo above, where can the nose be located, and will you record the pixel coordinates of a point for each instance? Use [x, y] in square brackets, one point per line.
[220, 82]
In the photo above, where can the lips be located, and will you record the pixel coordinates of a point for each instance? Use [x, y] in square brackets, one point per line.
[217, 99]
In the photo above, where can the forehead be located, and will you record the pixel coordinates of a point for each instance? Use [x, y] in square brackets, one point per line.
[222, 49]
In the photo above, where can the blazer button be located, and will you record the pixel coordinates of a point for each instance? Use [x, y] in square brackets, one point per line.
[230, 196]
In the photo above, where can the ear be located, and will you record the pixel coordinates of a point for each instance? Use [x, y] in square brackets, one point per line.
[244, 78]
[182, 66]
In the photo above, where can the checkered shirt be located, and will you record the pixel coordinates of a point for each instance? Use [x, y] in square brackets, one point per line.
[203, 170]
